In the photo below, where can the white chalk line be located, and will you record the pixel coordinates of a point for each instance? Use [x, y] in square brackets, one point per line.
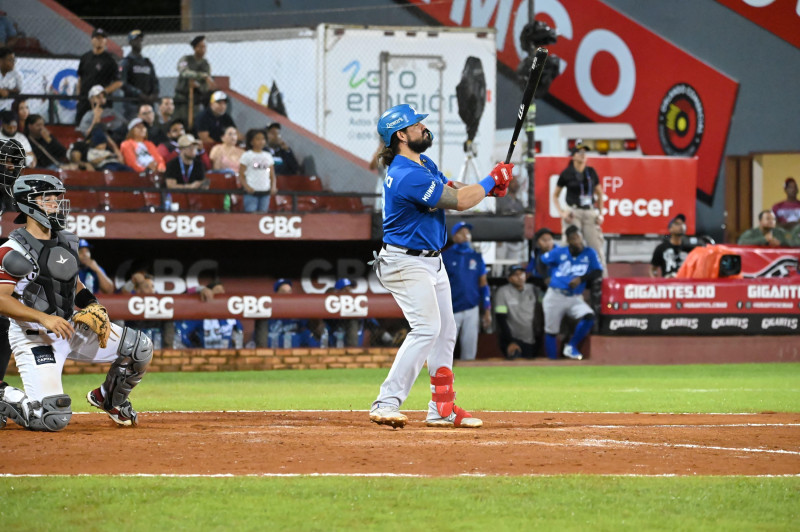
[554, 412]
[372, 475]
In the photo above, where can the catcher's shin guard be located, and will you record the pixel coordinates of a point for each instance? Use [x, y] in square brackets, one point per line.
[55, 416]
[134, 354]
[443, 394]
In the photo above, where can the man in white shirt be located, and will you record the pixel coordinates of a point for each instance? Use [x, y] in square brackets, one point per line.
[8, 130]
[10, 79]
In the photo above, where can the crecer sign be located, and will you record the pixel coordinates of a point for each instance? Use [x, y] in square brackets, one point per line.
[613, 70]
[636, 201]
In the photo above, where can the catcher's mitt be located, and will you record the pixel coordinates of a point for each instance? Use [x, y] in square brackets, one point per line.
[95, 317]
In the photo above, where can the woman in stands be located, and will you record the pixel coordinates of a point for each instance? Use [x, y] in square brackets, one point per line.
[225, 157]
[138, 152]
[257, 173]
[21, 111]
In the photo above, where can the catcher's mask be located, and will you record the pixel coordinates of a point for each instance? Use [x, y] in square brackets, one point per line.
[12, 161]
[40, 196]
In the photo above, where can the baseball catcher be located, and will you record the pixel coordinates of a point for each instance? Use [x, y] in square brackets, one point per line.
[39, 290]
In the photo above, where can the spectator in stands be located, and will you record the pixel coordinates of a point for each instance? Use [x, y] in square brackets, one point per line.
[138, 75]
[8, 130]
[787, 212]
[514, 307]
[175, 130]
[22, 112]
[8, 33]
[209, 333]
[794, 239]
[214, 120]
[469, 289]
[543, 241]
[194, 71]
[585, 197]
[91, 274]
[103, 152]
[166, 108]
[225, 157]
[49, 152]
[96, 67]
[10, 80]
[670, 254]
[155, 132]
[138, 152]
[285, 161]
[106, 118]
[765, 234]
[186, 171]
[257, 173]
[570, 270]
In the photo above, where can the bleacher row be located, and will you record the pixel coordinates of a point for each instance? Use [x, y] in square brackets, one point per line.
[130, 191]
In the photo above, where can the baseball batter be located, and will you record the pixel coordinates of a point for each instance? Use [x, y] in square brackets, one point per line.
[415, 194]
[39, 289]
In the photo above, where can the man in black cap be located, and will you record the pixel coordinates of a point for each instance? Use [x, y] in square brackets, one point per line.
[193, 70]
[514, 307]
[584, 199]
[139, 78]
[96, 67]
[543, 241]
[670, 254]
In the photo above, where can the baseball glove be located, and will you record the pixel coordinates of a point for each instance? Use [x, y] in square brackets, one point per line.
[95, 317]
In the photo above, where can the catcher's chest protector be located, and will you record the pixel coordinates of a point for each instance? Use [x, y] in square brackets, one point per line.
[52, 291]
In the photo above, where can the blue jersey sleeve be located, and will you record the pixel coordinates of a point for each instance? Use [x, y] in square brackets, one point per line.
[594, 260]
[424, 188]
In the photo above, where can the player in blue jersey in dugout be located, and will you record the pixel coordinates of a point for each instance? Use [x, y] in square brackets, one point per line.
[415, 195]
[570, 268]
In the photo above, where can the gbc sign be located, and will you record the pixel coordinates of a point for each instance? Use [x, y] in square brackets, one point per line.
[150, 307]
[84, 225]
[347, 306]
[250, 306]
[281, 226]
[184, 226]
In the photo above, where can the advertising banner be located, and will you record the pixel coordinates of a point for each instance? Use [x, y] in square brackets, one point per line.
[49, 76]
[735, 306]
[642, 194]
[616, 70]
[227, 226]
[781, 17]
[767, 262]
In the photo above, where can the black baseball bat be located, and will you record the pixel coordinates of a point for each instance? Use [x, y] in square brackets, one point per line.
[533, 81]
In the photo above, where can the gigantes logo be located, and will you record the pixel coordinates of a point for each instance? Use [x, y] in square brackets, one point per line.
[628, 323]
[151, 307]
[250, 306]
[720, 323]
[683, 323]
[681, 121]
[85, 225]
[281, 226]
[347, 306]
[785, 323]
[184, 226]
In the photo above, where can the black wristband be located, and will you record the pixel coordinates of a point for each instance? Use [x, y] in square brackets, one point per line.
[84, 298]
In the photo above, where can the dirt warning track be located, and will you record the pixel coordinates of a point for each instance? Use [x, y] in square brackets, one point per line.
[335, 442]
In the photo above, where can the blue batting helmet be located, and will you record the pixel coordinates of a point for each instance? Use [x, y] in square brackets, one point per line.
[397, 118]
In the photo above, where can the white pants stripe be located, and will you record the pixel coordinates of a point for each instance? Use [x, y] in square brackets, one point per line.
[421, 288]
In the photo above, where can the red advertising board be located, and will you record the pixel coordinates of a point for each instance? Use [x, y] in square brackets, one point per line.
[781, 17]
[732, 306]
[642, 193]
[616, 70]
[767, 262]
[207, 226]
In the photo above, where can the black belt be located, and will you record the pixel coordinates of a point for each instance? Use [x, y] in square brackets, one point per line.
[415, 252]
[579, 207]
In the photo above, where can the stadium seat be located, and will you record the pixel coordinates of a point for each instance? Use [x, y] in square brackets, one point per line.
[83, 201]
[307, 203]
[83, 178]
[340, 204]
[181, 199]
[123, 201]
[153, 200]
[129, 179]
[280, 203]
[207, 202]
[299, 182]
[220, 181]
[66, 135]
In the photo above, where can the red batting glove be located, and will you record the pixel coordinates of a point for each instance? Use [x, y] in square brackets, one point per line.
[499, 191]
[502, 174]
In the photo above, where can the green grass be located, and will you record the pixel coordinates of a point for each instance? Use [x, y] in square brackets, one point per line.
[694, 388]
[496, 504]
[462, 503]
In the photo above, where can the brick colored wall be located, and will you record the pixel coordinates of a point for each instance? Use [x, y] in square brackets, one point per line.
[249, 359]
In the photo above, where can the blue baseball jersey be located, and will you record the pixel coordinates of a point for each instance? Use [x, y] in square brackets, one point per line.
[410, 193]
[464, 267]
[563, 267]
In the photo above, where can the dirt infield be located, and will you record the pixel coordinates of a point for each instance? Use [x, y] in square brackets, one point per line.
[240, 443]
